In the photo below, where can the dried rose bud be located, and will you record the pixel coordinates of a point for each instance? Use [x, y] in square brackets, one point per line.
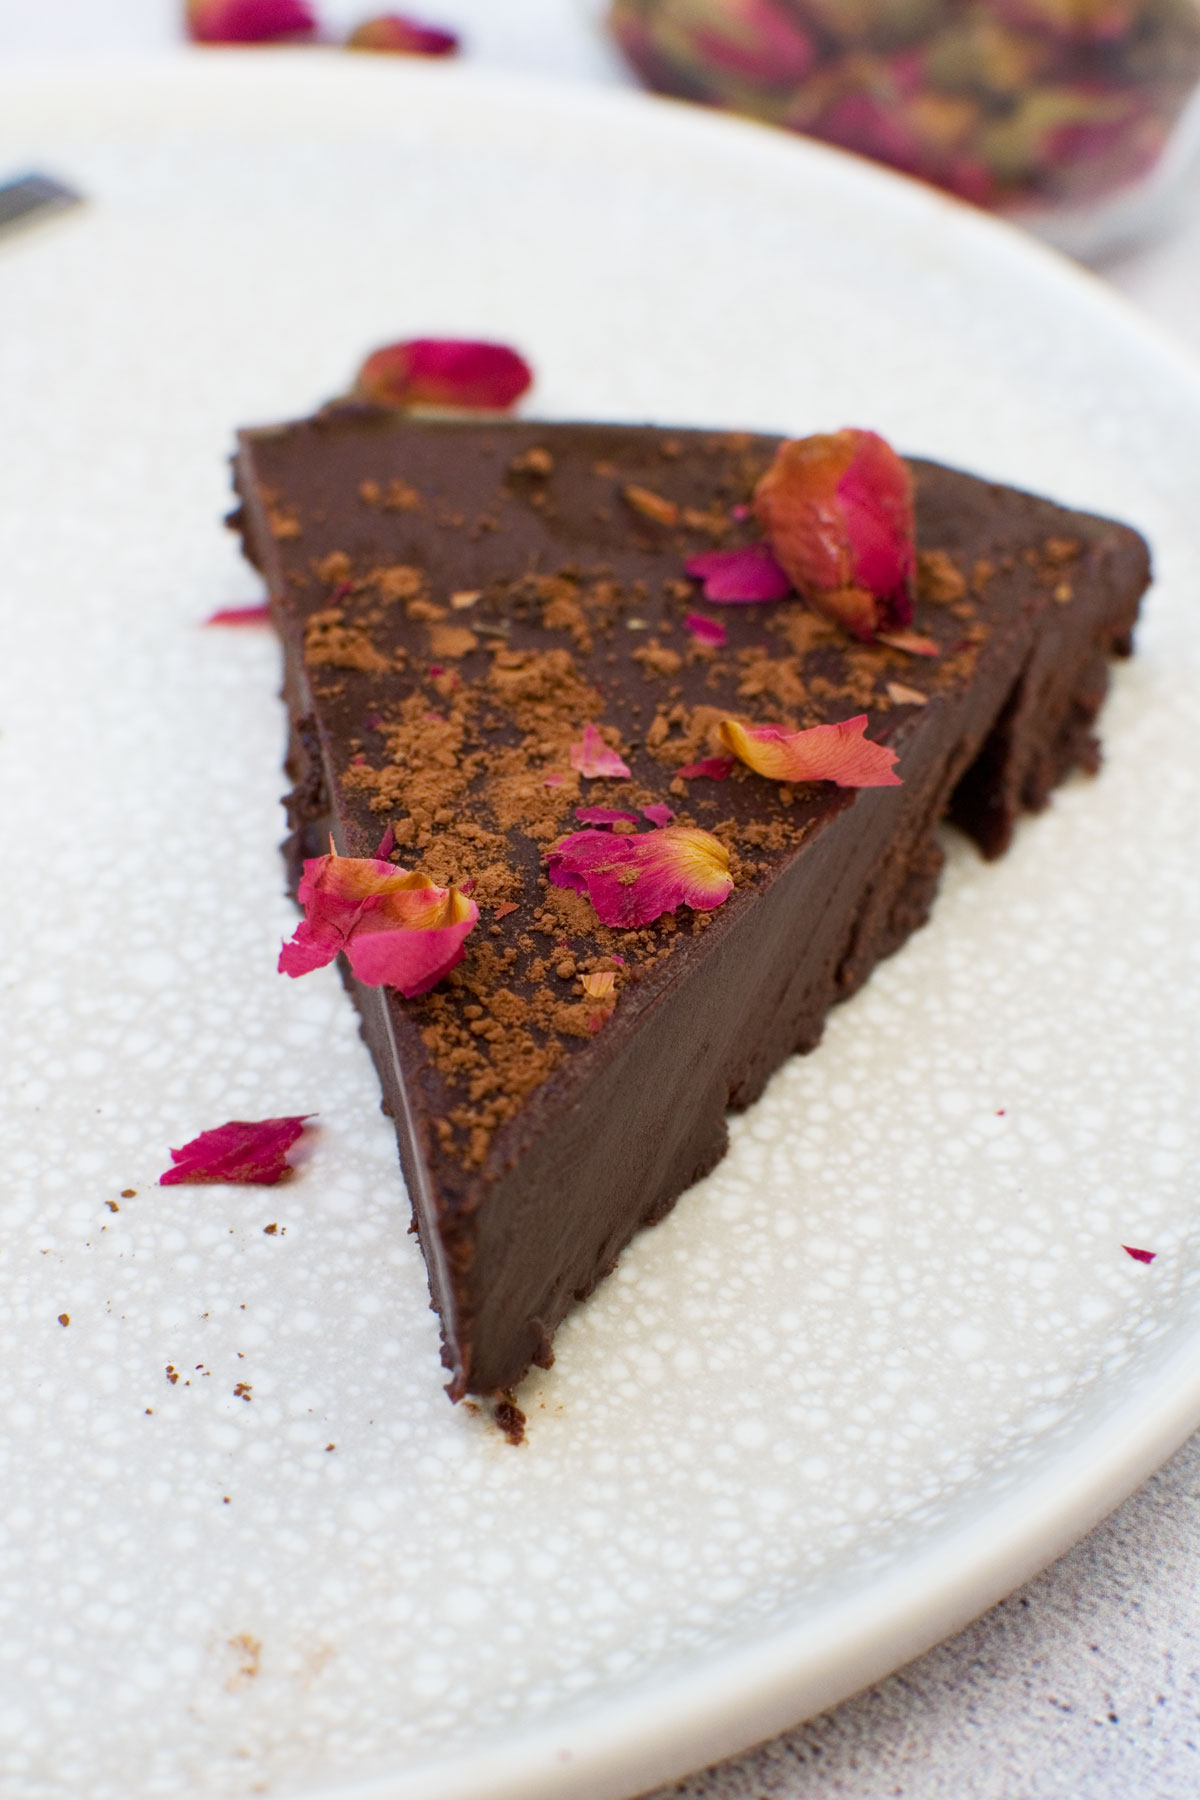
[1073, 21]
[751, 40]
[837, 510]
[248, 21]
[456, 372]
[402, 37]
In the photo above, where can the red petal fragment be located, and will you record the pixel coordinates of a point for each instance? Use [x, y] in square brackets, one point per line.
[1142, 1256]
[402, 37]
[708, 632]
[593, 757]
[603, 815]
[659, 813]
[912, 641]
[241, 615]
[715, 768]
[554, 780]
[248, 21]
[837, 510]
[505, 907]
[598, 986]
[733, 577]
[387, 844]
[632, 881]
[245, 1151]
[839, 753]
[444, 372]
[396, 929]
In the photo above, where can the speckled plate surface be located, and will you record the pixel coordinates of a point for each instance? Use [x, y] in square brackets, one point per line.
[890, 1357]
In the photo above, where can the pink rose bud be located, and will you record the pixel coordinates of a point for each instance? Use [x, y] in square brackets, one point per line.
[837, 511]
[402, 37]
[248, 21]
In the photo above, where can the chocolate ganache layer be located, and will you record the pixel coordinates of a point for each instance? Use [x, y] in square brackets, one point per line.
[457, 601]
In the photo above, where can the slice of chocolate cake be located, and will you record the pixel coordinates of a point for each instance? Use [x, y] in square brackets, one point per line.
[475, 617]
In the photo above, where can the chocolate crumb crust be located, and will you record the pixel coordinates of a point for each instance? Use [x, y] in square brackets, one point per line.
[456, 601]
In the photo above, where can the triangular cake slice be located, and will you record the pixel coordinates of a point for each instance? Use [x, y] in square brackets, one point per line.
[457, 601]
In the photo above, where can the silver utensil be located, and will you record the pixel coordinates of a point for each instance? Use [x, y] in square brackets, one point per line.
[31, 197]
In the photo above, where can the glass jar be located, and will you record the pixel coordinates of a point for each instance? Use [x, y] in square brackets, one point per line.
[1078, 117]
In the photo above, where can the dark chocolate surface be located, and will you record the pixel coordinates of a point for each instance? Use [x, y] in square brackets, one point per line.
[456, 601]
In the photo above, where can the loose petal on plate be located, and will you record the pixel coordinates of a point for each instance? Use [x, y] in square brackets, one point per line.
[604, 815]
[713, 768]
[912, 642]
[839, 753]
[1142, 1256]
[632, 881]
[736, 577]
[399, 36]
[658, 814]
[242, 1151]
[452, 372]
[710, 634]
[837, 510]
[241, 615]
[248, 21]
[396, 929]
[592, 756]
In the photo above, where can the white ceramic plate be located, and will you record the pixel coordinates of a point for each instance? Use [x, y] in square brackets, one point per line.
[883, 1364]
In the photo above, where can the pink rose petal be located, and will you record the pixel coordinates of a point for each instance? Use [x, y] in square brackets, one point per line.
[910, 641]
[658, 814]
[248, 21]
[632, 881]
[713, 768]
[839, 753]
[837, 510]
[242, 1151]
[604, 815]
[733, 577]
[554, 780]
[241, 615]
[592, 756]
[710, 633]
[396, 929]
[1142, 1256]
[387, 844]
[444, 372]
[394, 34]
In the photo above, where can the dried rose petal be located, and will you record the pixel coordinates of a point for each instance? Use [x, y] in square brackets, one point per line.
[714, 768]
[241, 615]
[396, 929]
[710, 633]
[839, 753]
[604, 815]
[838, 511]
[243, 1151]
[444, 372]
[659, 813]
[734, 577]
[912, 642]
[248, 21]
[592, 755]
[599, 985]
[631, 881]
[402, 37]
[554, 780]
[386, 845]
[1142, 1256]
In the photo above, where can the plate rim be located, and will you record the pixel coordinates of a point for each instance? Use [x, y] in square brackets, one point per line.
[730, 1699]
